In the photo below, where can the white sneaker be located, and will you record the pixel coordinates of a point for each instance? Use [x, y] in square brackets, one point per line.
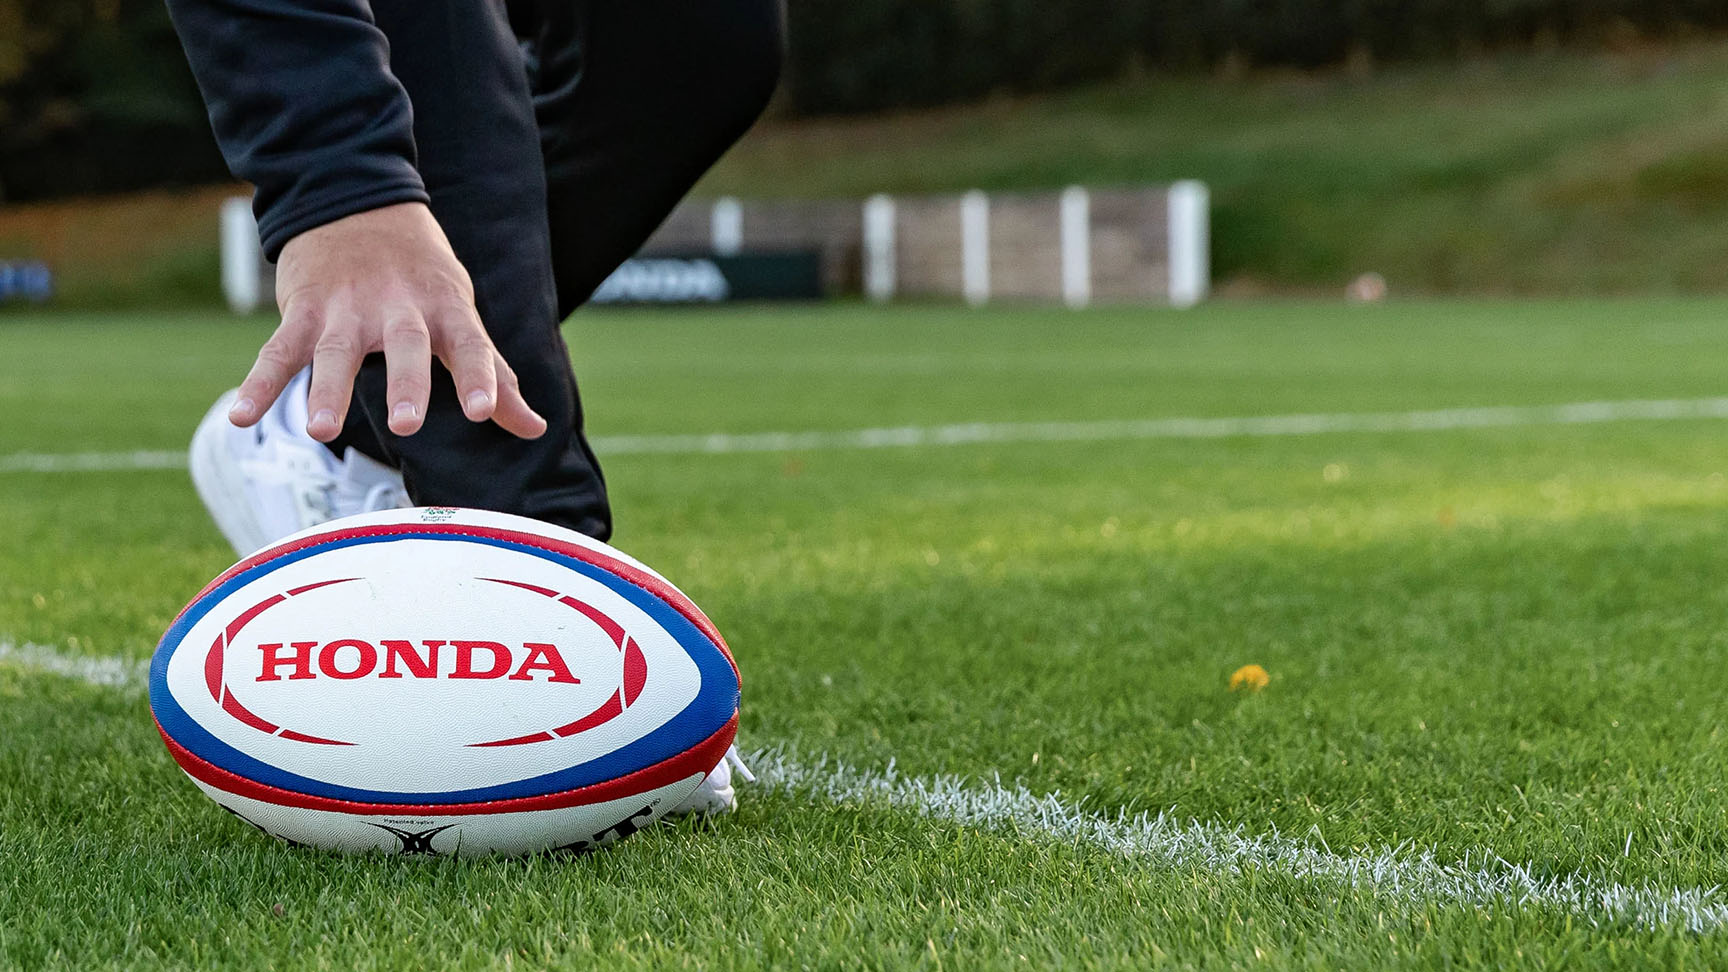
[715, 794]
[266, 482]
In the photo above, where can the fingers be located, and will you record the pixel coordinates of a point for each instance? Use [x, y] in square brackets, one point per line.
[279, 360]
[335, 362]
[386, 280]
[408, 358]
[513, 414]
[462, 344]
[485, 385]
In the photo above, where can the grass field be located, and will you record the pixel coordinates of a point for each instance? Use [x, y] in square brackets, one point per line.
[1559, 174]
[1493, 735]
[1520, 174]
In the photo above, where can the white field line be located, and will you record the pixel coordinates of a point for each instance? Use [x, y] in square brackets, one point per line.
[1574, 413]
[109, 672]
[1408, 873]
[1482, 879]
[66, 462]
[1264, 426]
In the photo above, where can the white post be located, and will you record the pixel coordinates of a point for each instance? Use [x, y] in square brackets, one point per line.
[1076, 247]
[975, 247]
[726, 226]
[1190, 243]
[242, 260]
[879, 248]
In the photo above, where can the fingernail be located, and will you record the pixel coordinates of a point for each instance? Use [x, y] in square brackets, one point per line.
[477, 401]
[324, 417]
[243, 409]
[404, 410]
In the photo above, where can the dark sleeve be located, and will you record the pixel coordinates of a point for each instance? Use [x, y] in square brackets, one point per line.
[304, 107]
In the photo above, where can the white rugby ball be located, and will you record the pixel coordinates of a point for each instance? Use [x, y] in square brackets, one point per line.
[444, 681]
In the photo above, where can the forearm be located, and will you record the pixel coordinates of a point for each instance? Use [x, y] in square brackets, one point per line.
[304, 107]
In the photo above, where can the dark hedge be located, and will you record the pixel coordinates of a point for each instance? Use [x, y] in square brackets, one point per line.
[95, 97]
[861, 55]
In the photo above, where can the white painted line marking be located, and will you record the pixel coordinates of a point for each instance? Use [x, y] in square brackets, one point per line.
[1435, 420]
[973, 433]
[1405, 872]
[64, 462]
[109, 672]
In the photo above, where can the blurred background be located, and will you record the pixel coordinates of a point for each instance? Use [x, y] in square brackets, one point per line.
[1550, 147]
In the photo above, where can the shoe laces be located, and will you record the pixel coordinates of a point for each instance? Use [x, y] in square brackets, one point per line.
[737, 763]
[385, 496]
[312, 480]
[365, 485]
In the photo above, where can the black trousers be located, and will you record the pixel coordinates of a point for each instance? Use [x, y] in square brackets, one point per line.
[554, 136]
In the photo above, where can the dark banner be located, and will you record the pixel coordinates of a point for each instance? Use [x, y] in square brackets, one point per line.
[678, 278]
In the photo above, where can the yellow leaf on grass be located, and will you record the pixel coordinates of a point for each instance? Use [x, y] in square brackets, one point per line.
[1249, 678]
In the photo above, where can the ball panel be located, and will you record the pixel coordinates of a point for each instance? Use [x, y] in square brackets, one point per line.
[697, 760]
[482, 522]
[550, 637]
[581, 730]
[715, 703]
[576, 828]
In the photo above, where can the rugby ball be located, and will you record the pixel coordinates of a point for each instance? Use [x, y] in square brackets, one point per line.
[444, 681]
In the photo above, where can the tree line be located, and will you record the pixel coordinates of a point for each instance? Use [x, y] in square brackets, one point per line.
[95, 95]
[862, 55]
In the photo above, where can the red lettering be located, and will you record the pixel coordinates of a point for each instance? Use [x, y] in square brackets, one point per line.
[368, 659]
[418, 667]
[403, 659]
[545, 658]
[301, 659]
[465, 659]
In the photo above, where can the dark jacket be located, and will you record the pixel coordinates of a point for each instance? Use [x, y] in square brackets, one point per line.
[304, 106]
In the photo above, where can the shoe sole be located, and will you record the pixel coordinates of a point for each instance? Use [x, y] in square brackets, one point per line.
[219, 481]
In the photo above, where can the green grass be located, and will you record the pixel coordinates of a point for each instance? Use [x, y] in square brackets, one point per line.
[1558, 174]
[1505, 639]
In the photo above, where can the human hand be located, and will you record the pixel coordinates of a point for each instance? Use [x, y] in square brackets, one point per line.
[383, 280]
